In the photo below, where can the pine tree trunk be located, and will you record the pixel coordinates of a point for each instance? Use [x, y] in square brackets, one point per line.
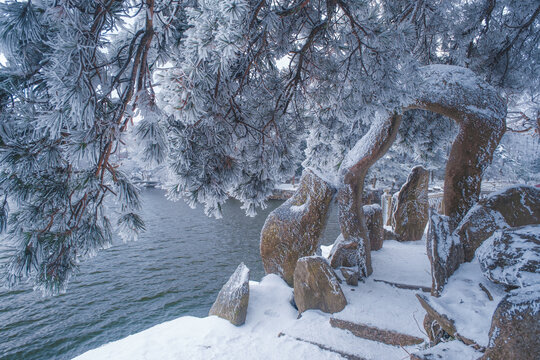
[351, 213]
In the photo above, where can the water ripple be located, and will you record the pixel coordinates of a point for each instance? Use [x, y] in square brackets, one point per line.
[176, 268]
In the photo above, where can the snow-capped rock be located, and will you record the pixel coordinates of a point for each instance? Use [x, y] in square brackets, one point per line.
[515, 327]
[316, 286]
[411, 214]
[344, 253]
[232, 301]
[511, 207]
[444, 251]
[512, 256]
[293, 230]
[374, 224]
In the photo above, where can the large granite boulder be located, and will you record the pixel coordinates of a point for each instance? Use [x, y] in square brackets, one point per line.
[344, 253]
[294, 229]
[444, 250]
[411, 214]
[316, 286]
[515, 326]
[512, 207]
[232, 301]
[512, 256]
[374, 223]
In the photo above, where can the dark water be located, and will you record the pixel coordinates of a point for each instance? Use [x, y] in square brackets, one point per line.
[176, 268]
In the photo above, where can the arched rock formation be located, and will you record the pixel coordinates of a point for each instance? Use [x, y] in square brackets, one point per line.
[451, 91]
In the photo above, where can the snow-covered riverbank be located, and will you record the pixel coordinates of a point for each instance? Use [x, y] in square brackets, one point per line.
[272, 330]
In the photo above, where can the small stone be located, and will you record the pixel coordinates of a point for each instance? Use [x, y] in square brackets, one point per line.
[411, 214]
[435, 332]
[515, 326]
[344, 253]
[389, 235]
[232, 301]
[351, 275]
[316, 286]
[512, 256]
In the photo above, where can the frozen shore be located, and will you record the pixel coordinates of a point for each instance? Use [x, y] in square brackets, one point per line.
[273, 330]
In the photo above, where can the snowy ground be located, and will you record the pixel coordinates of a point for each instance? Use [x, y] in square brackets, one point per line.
[467, 304]
[273, 330]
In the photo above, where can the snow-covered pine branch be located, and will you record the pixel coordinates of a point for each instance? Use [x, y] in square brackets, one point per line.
[242, 86]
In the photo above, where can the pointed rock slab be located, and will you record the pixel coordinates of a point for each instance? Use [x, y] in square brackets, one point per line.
[512, 207]
[444, 250]
[512, 256]
[444, 322]
[294, 229]
[374, 223]
[232, 301]
[411, 215]
[316, 286]
[434, 331]
[515, 326]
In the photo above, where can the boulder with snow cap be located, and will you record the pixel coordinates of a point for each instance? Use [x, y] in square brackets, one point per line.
[515, 326]
[232, 301]
[344, 253]
[512, 207]
[374, 223]
[512, 256]
[444, 251]
[316, 286]
[294, 229]
[411, 214]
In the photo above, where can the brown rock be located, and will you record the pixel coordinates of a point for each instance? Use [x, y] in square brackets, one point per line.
[293, 230]
[316, 286]
[515, 206]
[444, 250]
[351, 275]
[435, 332]
[442, 320]
[445, 323]
[411, 214]
[375, 334]
[515, 326]
[389, 234]
[519, 205]
[232, 301]
[344, 253]
[374, 223]
[512, 256]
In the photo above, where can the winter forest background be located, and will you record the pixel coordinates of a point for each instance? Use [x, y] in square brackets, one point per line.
[227, 99]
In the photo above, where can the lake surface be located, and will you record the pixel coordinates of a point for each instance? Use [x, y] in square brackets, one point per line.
[176, 268]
